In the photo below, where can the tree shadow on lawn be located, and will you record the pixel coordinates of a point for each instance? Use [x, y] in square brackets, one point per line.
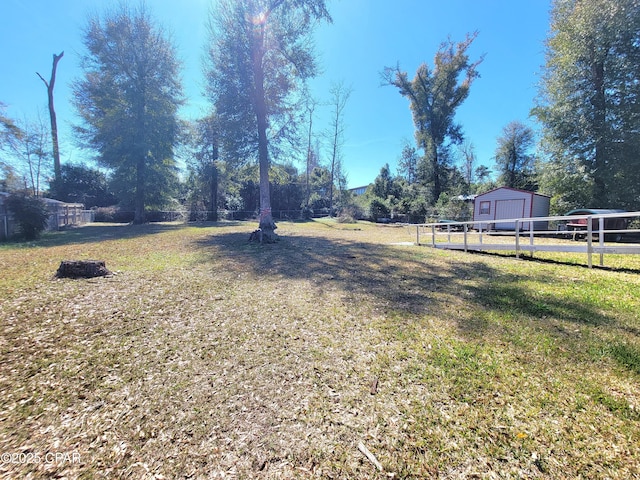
[508, 296]
[392, 277]
[399, 281]
[482, 302]
[578, 329]
[551, 261]
[97, 232]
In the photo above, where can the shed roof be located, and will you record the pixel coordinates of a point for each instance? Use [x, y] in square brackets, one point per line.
[515, 190]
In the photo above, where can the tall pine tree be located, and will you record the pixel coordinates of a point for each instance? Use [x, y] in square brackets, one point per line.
[128, 99]
[434, 95]
[259, 56]
[589, 102]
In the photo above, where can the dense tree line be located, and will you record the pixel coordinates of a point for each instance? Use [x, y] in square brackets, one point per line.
[238, 193]
[589, 104]
[241, 156]
[588, 108]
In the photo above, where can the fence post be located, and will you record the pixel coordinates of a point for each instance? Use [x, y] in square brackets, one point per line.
[465, 237]
[433, 235]
[517, 238]
[601, 239]
[531, 228]
[418, 235]
[589, 241]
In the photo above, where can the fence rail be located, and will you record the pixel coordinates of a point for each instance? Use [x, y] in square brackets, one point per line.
[483, 235]
[56, 221]
[70, 217]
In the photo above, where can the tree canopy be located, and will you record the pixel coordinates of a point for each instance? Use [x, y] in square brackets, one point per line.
[9, 131]
[589, 101]
[83, 184]
[434, 95]
[259, 55]
[513, 157]
[128, 99]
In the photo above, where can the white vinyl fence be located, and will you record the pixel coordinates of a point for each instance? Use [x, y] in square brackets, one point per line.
[481, 236]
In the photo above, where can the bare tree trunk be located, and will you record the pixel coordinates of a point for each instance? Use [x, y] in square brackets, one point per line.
[311, 106]
[267, 225]
[334, 158]
[57, 171]
[469, 157]
[435, 175]
[141, 152]
[339, 96]
[139, 215]
[213, 200]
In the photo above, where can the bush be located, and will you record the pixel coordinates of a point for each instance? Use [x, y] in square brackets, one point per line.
[30, 213]
[345, 218]
[378, 209]
[306, 213]
[103, 214]
[350, 214]
[112, 215]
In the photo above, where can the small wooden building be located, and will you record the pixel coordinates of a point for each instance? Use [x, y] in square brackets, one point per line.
[506, 203]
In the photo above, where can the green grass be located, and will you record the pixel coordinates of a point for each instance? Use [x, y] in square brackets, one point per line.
[207, 356]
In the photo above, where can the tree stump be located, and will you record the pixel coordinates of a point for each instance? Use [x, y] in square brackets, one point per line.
[263, 236]
[82, 269]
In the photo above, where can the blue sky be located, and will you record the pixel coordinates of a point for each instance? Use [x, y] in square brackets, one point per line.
[366, 36]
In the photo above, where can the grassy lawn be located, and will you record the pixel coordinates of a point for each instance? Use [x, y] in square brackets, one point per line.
[205, 356]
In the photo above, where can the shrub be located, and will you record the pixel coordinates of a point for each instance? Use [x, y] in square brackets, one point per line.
[378, 209]
[345, 218]
[306, 213]
[104, 214]
[112, 215]
[30, 214]
[350, 214]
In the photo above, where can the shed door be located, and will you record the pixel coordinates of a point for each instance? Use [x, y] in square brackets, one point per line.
[508, 209]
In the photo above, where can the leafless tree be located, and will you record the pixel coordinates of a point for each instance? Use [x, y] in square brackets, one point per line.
[52, 116]
[339, 96]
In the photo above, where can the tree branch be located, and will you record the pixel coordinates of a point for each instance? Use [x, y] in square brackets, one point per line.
[45, 82]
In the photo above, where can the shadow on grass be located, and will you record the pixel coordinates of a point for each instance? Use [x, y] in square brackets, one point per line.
[509, 296]
[97, 232]
[405, 287]
[399, 280]
[401, 283]
[394, 279]
[627, 355]
[528, 258]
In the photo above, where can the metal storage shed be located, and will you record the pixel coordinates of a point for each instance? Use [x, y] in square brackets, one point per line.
[509, 203]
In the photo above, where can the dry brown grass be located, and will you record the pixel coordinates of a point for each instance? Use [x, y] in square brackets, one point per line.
[209, 357]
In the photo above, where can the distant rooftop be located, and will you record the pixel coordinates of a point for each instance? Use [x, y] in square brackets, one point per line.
[359, 190]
